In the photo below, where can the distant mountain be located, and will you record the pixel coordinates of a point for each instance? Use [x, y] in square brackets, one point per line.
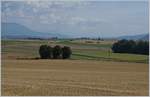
[17, 31]
[135, 37]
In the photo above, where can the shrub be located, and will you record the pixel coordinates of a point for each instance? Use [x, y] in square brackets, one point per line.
[130, 46]
[57, 51]
[66, 52]
[49, 51]
[142, 47]
[45, 52]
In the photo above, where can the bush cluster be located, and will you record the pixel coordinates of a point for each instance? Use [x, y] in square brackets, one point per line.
[130, 46]
[56, 52]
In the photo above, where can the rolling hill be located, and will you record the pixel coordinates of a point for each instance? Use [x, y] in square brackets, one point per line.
[135, 37]
[17, 31]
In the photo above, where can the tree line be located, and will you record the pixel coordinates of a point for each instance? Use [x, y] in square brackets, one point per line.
[131, 46]
[56, 52]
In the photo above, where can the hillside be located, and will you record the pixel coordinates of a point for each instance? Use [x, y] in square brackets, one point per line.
[136, 37]
[17, 31]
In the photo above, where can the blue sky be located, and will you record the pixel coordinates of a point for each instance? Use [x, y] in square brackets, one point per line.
[79, 18]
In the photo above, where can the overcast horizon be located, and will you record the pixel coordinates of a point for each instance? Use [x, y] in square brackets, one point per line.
[79, 18]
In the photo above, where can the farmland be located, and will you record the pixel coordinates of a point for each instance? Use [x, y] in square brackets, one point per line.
[81, 50]
[92, 70]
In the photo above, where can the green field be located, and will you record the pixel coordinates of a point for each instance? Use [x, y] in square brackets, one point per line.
[81, 50]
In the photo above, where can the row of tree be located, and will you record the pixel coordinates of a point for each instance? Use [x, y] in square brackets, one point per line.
[130, 46]
[56, 52]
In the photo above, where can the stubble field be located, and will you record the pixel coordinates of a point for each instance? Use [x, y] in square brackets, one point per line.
[81, 75]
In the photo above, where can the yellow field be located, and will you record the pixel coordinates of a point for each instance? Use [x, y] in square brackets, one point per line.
[73, 77]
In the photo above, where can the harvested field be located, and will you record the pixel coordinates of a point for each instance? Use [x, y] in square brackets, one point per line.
[73, 77]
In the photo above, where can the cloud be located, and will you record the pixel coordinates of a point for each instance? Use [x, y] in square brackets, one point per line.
[78, 16]
[38, 4]
[49, 11]
[51, 5]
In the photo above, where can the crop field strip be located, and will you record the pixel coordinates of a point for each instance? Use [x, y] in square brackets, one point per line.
[88, 51]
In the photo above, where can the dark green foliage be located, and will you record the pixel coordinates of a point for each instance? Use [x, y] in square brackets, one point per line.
[142, 47]
[66, 52]
[130, 46]
[57, 52]
[45, 52]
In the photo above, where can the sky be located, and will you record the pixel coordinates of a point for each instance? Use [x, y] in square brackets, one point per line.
[79, 18]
